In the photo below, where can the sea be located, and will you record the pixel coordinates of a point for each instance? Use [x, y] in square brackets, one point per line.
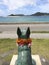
[24, 19]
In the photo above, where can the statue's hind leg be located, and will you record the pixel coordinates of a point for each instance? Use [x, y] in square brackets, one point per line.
[18, 62]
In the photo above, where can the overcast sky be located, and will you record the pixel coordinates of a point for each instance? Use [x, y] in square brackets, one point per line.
[23, 6]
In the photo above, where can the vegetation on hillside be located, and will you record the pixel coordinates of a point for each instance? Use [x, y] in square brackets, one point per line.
[40, 14]
[16, 15]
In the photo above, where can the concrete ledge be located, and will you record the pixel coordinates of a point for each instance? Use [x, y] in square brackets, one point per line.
[35, 57]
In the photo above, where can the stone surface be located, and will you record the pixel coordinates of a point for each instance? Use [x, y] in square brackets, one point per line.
[35, 57]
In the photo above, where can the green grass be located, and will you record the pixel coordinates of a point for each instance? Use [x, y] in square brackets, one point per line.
[8, 58]
[39, 46]
[7, 45]
[40, 32]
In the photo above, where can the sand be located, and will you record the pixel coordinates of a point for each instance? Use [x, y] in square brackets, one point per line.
[33, 27]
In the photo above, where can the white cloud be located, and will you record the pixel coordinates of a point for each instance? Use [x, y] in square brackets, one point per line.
[48, 0]
[0, 2]
[15, 4]
[44, 8]
[18, 4]
[1, 12]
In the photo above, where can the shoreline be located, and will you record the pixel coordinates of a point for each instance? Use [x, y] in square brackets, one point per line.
[24, 23]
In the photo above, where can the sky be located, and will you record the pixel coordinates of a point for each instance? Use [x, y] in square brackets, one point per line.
[26, 7]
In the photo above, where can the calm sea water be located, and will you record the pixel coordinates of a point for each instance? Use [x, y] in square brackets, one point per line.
[24, 19]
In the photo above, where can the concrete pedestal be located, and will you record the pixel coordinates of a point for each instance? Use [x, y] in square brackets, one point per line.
[35, 57]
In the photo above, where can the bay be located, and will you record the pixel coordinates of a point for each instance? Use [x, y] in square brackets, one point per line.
[24, 19]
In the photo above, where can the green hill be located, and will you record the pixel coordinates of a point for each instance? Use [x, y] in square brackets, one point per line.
[40, 14]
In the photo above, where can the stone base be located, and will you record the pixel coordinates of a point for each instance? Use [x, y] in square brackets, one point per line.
[35, 57]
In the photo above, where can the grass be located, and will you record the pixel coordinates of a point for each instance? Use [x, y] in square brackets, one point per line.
[39, 46]
[7, 45]
[40, 32]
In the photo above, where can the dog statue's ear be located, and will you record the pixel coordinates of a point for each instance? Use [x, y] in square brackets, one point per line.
[28, 32]
[18, 31]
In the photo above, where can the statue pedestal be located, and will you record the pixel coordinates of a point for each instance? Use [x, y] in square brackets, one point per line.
[35, 57]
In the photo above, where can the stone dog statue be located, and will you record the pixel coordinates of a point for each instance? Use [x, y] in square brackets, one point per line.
[24, 48]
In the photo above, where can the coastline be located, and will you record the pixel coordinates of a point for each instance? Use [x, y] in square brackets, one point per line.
[24, 23]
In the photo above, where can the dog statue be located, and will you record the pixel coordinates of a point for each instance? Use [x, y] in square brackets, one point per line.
[24, 48]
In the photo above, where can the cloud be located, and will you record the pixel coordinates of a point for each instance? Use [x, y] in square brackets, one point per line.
[1, 12]
[12, 5]
[48, 0]
[41, 2]
[15, 4]
[44, 8]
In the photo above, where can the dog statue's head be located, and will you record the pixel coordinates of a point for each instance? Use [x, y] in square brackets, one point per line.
[23, 34]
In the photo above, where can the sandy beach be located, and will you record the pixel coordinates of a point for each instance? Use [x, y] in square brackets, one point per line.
[9, 30]
[33, 27]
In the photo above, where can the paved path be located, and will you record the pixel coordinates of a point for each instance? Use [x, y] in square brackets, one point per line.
[9, 30]
[40, 35]
[34, 35]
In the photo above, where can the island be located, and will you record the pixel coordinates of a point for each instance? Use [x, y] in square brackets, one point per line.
[39, 14]
[16, 15]
[35, 14]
